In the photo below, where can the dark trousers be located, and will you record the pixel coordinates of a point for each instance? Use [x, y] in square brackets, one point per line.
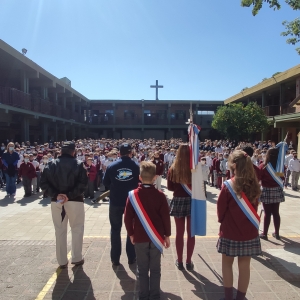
[148, 259]
[38, 175]
[27, 185]
[116, 218]
[89, 192]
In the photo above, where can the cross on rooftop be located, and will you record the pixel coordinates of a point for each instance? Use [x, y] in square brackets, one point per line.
[156, 86]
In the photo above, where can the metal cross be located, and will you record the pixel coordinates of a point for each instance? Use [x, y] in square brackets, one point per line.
[156, 86]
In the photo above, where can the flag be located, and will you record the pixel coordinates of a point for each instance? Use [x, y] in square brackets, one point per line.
[198, 205]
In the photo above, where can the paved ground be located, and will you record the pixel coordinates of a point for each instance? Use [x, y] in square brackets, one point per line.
[29, 268]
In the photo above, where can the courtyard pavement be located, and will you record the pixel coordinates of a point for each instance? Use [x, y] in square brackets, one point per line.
[29, 267]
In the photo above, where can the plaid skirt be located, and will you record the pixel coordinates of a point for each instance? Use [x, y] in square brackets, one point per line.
[180, 207]
[272, 195]
[239, 248]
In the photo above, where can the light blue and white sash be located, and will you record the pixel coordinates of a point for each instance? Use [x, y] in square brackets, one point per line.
[187, 188]
[272, 172]
[244, 204]
[154, 236]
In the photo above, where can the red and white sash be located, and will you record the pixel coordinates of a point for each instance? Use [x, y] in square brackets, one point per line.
[154, 236]
[244, 204]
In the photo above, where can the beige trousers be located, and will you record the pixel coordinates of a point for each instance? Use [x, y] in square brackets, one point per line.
[75, 214]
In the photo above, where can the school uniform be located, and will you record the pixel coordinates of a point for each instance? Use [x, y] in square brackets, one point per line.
[238, 236]
[92, 175]
[27, 172]
[159, 171]
[271, 191]
[147, 254]
[180, 205]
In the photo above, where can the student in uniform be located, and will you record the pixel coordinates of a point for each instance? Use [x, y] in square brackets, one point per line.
[238, 233]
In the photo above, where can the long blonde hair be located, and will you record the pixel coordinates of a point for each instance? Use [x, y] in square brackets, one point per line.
[245, 179]
[180, 171]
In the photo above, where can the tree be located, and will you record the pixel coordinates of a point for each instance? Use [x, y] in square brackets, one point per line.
[292, 27]
[239, 122]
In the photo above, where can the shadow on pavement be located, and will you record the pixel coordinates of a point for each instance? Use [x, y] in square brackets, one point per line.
[7, 200]
[210, 198]
[80, 288]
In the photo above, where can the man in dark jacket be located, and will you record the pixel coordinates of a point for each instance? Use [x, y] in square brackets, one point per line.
[121, 177]
[64, 180]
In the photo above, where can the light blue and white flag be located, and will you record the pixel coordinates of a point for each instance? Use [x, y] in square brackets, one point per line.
[198, 205]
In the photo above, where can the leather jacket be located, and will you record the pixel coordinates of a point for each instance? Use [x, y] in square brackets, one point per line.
[64, 175]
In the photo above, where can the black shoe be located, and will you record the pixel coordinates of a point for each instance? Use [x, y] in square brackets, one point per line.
[115, 263]
[94, 201]
[131, 262]
[63, 266]
[179, 265]
[264, 237]
[276, 236]
[91, 198]
[78, 263]
[189, 266]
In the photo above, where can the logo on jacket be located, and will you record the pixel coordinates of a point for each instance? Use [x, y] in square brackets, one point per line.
[124, 174]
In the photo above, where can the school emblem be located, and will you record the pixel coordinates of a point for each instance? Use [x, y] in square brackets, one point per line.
[124, 174]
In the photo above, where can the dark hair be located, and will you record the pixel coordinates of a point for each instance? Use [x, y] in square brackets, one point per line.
[271, 157]
[67, 151]
[249, 150]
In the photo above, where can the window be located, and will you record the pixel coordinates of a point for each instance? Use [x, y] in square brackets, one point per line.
[201, 112]
[161, 114]
[129, 114]
[180, 115]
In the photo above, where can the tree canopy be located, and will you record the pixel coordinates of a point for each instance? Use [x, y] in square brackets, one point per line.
[292, 28]
[239, 122]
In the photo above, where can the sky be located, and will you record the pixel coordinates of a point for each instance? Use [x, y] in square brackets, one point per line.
[116, 49]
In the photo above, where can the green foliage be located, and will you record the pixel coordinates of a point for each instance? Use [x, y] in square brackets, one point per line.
[245, 88]
[236, 121]
[292, 28]
[265, 79]
[276, 74]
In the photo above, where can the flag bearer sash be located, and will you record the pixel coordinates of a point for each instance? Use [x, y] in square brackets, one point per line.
[154, 236]
[244, 204]
[279, 171]
[187, 188]
[272, 172]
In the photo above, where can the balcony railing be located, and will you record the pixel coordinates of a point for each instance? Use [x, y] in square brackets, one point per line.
[271, 110]
[16, 98]
[287, 110]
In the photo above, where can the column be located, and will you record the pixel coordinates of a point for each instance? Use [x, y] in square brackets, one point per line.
[263, 99]
[45, 131]
[64, 102]
[281, 98]
[72, 131]
[25, 129]
[143, 113]
[44, 92]
[114, 113]
[169, 113]
[64, 132]
[24, 82]
[55, 132]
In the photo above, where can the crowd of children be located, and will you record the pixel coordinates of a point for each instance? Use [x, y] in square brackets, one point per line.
[234, 168]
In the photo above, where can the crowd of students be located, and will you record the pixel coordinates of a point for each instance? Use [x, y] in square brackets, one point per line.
[237, 169]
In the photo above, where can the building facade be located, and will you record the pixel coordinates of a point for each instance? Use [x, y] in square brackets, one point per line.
[279, 97]
[37, 106]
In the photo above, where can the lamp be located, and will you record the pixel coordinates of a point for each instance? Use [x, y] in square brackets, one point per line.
[24, 51]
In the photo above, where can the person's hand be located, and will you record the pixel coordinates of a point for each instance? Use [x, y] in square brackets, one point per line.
[132, 239]
[167, 242]
[63, 197]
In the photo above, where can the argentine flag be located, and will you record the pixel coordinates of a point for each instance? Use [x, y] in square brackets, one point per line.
[198, 209]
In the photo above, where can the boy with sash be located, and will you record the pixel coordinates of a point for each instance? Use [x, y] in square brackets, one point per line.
[237, 212]
[148, 225]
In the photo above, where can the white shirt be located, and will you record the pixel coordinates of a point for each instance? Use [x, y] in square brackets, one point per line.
[294, 165]
[209, 161]
[205, 172]
[287, 159]
[35, 164]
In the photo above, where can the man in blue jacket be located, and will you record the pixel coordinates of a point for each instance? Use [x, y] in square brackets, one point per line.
[121, 176]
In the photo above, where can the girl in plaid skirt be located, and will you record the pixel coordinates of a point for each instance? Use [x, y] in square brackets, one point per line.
[272, 195]
[180, 207]
[238, 236]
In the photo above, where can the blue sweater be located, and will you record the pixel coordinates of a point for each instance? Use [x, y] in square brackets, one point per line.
[10, 158]
[121, 176]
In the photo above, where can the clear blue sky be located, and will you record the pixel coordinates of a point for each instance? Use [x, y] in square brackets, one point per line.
[115, 49]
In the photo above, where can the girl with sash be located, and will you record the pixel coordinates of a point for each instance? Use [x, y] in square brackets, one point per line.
[237, 212]
[179, 178]
[272, 189]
